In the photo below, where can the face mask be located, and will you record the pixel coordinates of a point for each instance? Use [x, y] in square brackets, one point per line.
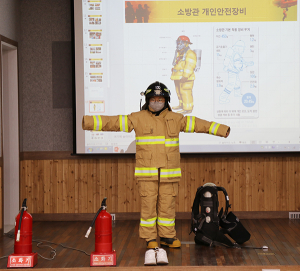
[180, 45]
[157, 106]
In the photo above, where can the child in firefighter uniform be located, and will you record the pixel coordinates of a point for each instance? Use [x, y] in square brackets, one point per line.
[157, 158]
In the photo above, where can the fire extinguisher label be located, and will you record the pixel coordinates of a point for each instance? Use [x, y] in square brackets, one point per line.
[103, 260]
[20, 261]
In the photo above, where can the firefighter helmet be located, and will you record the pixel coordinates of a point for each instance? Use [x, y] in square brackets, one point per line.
[184, 38]
[157, 89]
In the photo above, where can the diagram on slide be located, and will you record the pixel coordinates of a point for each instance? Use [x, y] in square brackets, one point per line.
[236, 72]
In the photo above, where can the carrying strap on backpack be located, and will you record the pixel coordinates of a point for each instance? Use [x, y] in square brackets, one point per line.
[227, 205]
[196, 204]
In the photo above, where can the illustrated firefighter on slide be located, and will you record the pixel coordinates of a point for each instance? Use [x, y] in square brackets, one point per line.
[234, 63]
[184, 65]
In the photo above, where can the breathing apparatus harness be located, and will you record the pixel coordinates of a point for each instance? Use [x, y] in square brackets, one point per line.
[206, 223]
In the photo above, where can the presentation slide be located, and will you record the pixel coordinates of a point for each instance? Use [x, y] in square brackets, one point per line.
[245, 71]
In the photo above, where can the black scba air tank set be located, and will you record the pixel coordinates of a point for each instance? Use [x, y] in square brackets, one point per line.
[210, 226]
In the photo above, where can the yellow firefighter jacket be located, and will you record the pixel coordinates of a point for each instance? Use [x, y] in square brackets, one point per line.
[157, 139]
[184, 66]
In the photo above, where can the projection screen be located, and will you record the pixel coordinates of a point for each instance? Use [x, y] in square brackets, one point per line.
[246, 74]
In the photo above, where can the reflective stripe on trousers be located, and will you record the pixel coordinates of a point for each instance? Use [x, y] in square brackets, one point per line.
[146, 171]
[152, 171]
[148, 222]
[167, 222]
[167, 173]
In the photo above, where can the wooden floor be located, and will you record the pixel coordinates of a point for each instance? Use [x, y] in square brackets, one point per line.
[282, 236]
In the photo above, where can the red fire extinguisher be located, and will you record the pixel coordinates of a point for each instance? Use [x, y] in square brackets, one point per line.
[103, 255]
[23, 255]
[24, 219]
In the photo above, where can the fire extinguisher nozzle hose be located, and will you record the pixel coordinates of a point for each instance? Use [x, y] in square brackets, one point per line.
[24, 207]
[18, 236]
[103, 207]
[93, 222]
[88, 232]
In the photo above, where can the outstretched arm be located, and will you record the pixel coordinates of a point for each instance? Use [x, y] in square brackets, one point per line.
[190, 124]
[120, 123]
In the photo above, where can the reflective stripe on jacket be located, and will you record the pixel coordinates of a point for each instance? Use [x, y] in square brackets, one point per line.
[157, 139]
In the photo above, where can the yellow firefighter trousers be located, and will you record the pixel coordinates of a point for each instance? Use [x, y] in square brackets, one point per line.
[157, 209]
[185, 94]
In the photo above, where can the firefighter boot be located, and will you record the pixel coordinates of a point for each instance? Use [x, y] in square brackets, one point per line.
[237, 92]
[152, 244]
[170, 242]
[184, 112]
[223, 99]
[178, 107]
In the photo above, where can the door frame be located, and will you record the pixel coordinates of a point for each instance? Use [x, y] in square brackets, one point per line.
[7, 44]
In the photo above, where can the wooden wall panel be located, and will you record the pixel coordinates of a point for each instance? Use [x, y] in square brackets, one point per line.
[1, 200]
[78, 185]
